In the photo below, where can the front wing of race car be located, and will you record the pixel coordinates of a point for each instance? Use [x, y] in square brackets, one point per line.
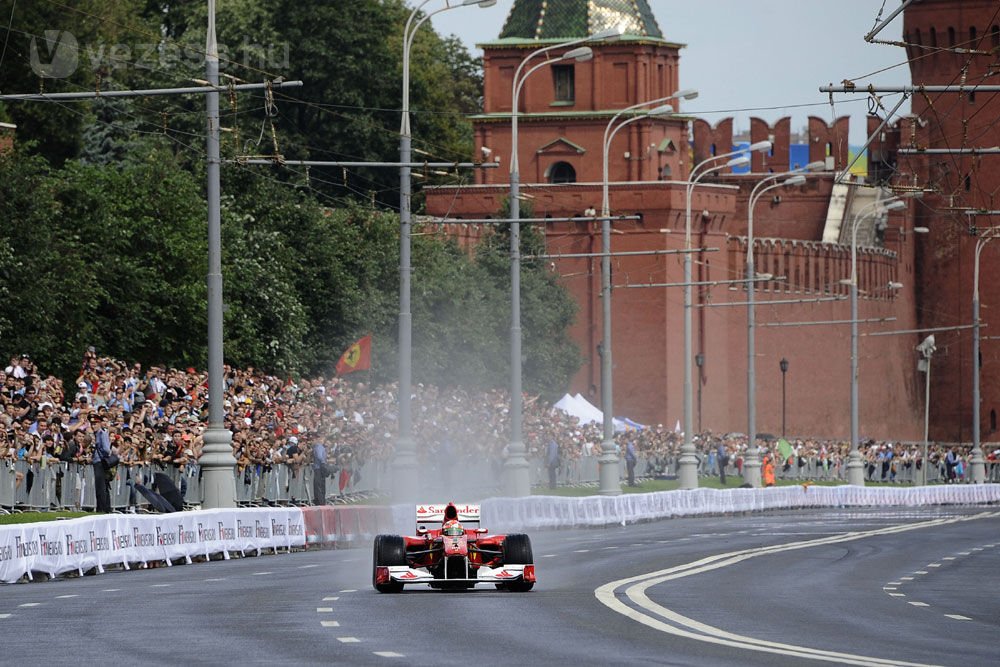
[403, 574]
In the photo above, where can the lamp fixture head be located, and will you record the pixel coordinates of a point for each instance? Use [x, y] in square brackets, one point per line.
[795, 180]
[760, 146]
[738, 161]
[662, 110]
[686, 94]
[819, 165]
[579, 54]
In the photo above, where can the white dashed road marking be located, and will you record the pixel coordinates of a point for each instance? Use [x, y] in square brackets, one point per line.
[549, 556]
[388, 654]
[606, 548]
[581, 551]
[920, 572]
[111, 590]
[217, 579]
[29, 604]
[895, 583]
[906, 578]
[306, 567]
[963, 553]
[330, 624]
[958, 617]
[933, 564]
[160, 585]
[948, 558]
[4, 615]
[349, 590]
[918, 604]
[898, 595]
[331, 599]
[261, 574]
[323, 610]
[65, 597]
[348, 640]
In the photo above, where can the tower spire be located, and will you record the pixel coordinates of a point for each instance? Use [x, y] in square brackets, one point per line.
[574, 19]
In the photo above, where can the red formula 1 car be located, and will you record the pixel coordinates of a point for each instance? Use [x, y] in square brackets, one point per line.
[451, 551]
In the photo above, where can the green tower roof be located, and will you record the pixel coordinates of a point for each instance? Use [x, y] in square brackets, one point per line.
[573, 19]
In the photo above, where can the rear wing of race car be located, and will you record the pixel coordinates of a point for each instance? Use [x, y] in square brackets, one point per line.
[432, 516]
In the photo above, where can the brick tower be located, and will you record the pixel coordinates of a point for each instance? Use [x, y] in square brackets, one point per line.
[565, 108]
[956, 42]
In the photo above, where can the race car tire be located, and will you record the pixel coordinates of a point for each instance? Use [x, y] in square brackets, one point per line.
[517, 551]
[388, 550]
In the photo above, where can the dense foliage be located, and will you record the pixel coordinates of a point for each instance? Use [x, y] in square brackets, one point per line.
[103, 239]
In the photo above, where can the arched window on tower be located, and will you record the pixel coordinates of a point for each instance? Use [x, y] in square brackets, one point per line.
[561, 172]
[993, 421]
[933, 37]
[951, 37]
[995, 36]
[973, 35]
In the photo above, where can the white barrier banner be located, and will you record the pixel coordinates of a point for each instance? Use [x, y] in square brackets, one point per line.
[58, 547]
[534, 512]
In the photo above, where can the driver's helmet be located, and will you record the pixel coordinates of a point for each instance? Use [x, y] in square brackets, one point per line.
[452, 528]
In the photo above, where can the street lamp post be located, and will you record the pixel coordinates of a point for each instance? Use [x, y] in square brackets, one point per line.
[977, 464]
[217, 460]
[783, 365]
[517, 481]
[855, 468]
[751, 466]
[405, 482]
[609, 475]
[926, 349]
[688, 463]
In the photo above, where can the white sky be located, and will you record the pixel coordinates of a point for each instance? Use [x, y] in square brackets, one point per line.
[769, 55]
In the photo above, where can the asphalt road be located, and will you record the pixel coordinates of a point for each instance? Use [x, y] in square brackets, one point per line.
[781, 588]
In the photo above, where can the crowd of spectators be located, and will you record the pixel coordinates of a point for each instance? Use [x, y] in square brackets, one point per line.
[157, 415]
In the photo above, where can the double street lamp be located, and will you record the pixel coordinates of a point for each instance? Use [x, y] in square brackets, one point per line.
[517, 481]
[855, 468]
[977, 465]
[751, 467]
[688, 468]
[405, 481]
[610, 482]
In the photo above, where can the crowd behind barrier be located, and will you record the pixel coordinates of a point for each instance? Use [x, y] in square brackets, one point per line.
[155, 417]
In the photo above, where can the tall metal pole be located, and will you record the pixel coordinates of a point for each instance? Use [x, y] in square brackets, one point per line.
[217, 461]
[517, 480]
[609, 471]
[687, 469]
[855, 467]
[752, 462]
[406, 484]
[976, 463]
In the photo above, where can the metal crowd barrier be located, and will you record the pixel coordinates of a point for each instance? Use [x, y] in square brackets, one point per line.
[70, 486]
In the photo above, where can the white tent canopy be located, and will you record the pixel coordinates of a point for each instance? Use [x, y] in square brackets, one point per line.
[585, 412]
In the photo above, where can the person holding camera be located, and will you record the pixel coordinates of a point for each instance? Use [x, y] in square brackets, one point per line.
[101, 461]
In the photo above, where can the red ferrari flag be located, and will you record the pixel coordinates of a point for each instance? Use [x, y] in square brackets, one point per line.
[358, 357]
